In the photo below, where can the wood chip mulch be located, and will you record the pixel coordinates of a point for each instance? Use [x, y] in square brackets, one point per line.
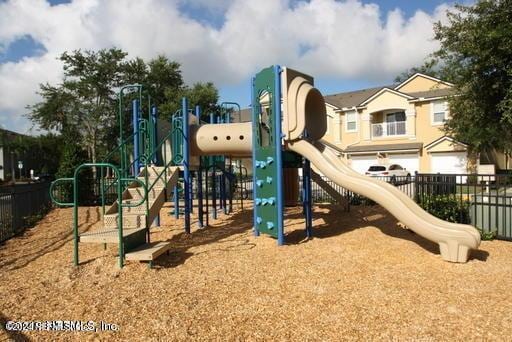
[360, 278]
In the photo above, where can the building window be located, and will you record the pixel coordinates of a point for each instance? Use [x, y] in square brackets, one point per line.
[395, 117]
[439, 112]
[351, 121]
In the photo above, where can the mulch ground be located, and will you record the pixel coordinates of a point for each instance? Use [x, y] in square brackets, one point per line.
[360, 278]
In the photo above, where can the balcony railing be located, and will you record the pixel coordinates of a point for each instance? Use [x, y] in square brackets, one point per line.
[387, 129]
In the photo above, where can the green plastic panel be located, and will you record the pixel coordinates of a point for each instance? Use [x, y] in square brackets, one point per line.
[265, 168]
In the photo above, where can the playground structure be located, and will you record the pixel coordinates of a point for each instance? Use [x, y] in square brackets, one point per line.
[146, 175]
[288, 122]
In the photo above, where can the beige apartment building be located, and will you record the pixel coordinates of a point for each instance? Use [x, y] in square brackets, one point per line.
[399, 124]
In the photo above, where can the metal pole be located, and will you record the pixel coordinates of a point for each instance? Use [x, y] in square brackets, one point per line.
[206, 187]
[154, 123]
[135, 121]
[254, 142]
[153, 142]
[176, 203]
[279, 158]
[306, 180]
[199, 179]
[76, 260]
[200, 197]
[13, 172]
[186, 162]
[214, 193]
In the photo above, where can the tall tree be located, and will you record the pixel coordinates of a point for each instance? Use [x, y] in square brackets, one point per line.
[475, 55]
[204, 95]
[476, 46]
[84, 104]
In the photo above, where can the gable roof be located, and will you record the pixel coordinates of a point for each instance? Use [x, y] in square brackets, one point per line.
[352, 98]
[386, 89]
[419, 74]
[433, 93]
[444, 138]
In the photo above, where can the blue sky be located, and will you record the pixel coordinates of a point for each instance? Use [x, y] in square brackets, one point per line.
[345, 45]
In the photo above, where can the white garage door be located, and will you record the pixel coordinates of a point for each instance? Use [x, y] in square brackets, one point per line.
[362, 163]
[409, 161]
[449, 162]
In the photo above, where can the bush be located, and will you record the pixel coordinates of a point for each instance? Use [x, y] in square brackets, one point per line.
[356, 199]
[487, 236]
[72, 157]
[445, 207]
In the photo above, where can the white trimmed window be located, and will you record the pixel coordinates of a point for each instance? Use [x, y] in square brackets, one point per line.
[351, 121]
[439, 112]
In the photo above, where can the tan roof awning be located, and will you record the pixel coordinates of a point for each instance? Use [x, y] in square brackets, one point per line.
[413, 147]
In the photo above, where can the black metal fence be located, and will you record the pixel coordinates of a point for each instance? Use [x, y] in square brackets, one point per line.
[89, 191]
[484, 201]
[21, 206]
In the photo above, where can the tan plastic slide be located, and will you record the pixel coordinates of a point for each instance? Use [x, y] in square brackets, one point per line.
[455, 240]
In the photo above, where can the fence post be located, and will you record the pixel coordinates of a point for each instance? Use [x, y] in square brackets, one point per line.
[13, 212]
[416, 186]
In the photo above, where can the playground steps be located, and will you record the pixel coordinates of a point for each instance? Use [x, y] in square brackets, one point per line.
[135, 217]
[136, 194]
[339, 198]
[135, 220]
[108, 235]
[129, 221]
[149, 251]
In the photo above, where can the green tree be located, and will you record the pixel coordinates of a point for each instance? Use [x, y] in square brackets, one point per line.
[163, 80]
[476, 46]
[84, 106]
[204, 95]
[475, 55]
[39, 153]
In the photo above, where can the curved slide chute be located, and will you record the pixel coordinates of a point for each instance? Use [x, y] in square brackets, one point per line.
[393, 191]
[455, 240]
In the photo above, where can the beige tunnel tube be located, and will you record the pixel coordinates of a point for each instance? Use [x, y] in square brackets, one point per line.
[233, 139]
[304, 110]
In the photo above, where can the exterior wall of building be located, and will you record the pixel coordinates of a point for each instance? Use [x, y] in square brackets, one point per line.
[419, 125]
[421, 84]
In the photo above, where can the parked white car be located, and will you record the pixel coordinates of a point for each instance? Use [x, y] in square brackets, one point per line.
[391, 170]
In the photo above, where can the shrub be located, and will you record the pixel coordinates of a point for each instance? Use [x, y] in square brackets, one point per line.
[356, 199]
[445, 207]
[487, 236]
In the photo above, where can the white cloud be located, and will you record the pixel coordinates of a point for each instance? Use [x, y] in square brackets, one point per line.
[326, 38]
